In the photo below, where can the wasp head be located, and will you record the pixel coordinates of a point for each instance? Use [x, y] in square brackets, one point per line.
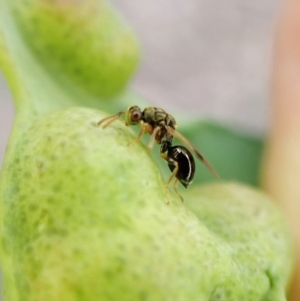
[133, 115]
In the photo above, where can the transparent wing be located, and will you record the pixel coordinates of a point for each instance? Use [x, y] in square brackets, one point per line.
[193, 148]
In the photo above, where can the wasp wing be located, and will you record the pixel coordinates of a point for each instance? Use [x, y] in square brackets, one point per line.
[193, 148]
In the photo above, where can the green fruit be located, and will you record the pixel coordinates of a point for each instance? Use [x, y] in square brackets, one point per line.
[86, 219]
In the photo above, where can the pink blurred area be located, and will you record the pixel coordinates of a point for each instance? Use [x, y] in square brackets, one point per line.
[203, 57]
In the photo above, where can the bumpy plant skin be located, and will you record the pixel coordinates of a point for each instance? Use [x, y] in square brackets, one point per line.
[84, 215]
[86, 219]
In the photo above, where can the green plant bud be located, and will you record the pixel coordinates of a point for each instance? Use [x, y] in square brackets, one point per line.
[82, 42]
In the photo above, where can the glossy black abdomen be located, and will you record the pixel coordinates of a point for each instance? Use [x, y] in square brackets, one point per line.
[185, 161]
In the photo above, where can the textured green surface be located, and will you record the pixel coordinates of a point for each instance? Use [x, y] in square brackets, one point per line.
[247, 224]
[84, 215]
[85, 222]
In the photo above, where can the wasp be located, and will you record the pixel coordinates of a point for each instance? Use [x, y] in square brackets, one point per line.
[162, 129]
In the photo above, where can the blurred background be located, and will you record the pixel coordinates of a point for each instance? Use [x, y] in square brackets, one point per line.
[207, 58]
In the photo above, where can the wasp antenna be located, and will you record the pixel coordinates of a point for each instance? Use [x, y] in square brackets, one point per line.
[110, 119]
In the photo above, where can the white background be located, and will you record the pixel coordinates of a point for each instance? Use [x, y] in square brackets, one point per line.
[209, 58]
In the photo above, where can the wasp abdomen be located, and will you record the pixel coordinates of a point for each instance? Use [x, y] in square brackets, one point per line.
[185, 161]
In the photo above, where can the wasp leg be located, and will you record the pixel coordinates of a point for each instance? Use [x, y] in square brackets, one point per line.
[152, 138]
[110, 119]
[175, 188]
[165, 157]
[146, 128]
[139, 136]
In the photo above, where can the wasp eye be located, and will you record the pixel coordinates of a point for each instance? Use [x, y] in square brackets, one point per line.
[136, 115]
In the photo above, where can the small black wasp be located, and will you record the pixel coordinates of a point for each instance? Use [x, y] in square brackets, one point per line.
[162, 128]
